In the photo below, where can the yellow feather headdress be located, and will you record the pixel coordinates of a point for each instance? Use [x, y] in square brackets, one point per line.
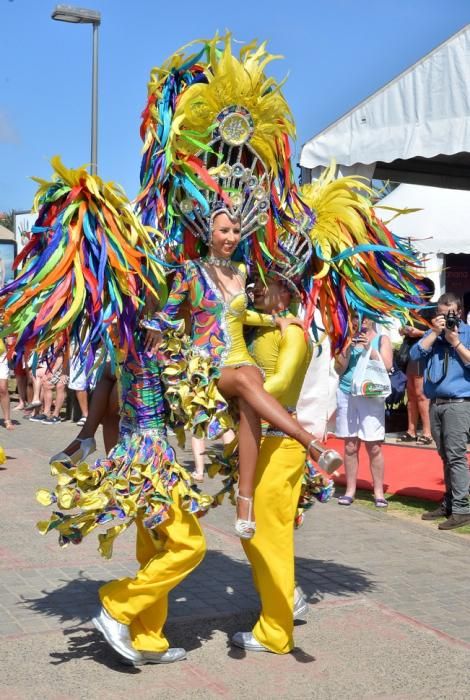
[216, 138]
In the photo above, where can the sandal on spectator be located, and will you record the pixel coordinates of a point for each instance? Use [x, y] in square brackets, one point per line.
[81, 422]
[407, 437]
[380, 503]
[424, 440]
[345, 500]
[33, 404]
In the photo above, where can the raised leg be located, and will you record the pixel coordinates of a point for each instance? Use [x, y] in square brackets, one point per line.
[247, 383]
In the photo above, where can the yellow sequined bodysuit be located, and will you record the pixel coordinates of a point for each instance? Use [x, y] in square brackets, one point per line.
[237, 316]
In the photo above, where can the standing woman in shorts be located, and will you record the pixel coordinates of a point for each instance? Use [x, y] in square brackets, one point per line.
[358, 418]
[4, 394]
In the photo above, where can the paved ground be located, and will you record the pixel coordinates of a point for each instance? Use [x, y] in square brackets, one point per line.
[389, 614]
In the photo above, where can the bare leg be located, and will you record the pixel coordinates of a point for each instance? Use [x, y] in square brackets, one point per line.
[96, 411]
[198, 446]
[5, 404]
[376, 463]
[37, 382]
[47, 389]
[59, 398]
[412, 406]
[111, 420]
[248, 449]
[423, 406]
[82, 398]
[22, 387]
[247, 383]
[228, 437]
[351, 464]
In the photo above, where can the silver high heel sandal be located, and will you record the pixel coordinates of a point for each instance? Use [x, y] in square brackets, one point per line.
[328, 460]
[86, 447]
[245, 529]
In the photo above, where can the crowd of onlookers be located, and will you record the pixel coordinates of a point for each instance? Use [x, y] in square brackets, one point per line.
[44, 389]
[436, 359]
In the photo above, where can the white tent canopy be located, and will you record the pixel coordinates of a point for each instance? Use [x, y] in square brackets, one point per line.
[414, 129]
[442, 225]
[6, 234]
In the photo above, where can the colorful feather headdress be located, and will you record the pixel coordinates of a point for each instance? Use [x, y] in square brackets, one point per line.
[357, 263]
[85, 272]
[216, 138]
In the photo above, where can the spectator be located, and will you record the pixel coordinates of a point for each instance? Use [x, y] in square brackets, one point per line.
[4, 394]
[46, 378]
[358, 418]
[36, 375]
[418, 403]
[81, 382]
[21, 377]
[445, 350]
[55, 378]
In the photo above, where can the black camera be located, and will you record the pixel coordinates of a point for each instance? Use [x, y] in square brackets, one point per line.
[452, 321]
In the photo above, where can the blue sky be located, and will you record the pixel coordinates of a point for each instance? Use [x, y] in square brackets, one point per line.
[337, 52]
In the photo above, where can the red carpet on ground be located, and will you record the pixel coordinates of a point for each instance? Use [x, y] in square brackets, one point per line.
[409, 471]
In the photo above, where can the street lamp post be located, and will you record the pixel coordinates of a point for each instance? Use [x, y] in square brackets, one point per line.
[80, 15]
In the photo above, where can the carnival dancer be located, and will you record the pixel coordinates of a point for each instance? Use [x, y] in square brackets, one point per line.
[216, 173]
[101, 244]
[284, 357]
[341, 205]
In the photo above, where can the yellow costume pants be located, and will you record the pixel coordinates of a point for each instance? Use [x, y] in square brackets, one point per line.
[142, 602]
[271, 551]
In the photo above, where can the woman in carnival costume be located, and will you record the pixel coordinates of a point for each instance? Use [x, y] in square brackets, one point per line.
[216, 177]
[85, 272]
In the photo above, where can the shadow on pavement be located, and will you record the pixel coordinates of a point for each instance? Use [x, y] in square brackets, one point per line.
[86, 644]
[221, 585]
[218, 596]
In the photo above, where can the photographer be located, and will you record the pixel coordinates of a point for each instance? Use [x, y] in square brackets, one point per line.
[446, 352]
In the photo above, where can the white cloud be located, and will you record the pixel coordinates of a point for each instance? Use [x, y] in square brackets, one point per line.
[8, 132]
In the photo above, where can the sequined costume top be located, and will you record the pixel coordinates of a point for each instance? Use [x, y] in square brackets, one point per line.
[216, 324]
[142, 405]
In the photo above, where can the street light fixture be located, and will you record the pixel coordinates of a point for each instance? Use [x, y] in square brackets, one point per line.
[80, 15]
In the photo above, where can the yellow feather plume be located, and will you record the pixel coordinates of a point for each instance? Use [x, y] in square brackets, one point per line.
[230, 81]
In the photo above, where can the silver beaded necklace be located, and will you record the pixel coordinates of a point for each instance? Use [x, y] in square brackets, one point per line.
[220, 262]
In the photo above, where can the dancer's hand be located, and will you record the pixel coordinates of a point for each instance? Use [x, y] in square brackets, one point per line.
[153, 340]
[282, 322]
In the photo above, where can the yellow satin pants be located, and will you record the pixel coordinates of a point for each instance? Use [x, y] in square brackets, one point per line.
[142, 602]
[279, 474]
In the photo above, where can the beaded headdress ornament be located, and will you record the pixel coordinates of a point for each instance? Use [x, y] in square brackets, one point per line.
[216, 139]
